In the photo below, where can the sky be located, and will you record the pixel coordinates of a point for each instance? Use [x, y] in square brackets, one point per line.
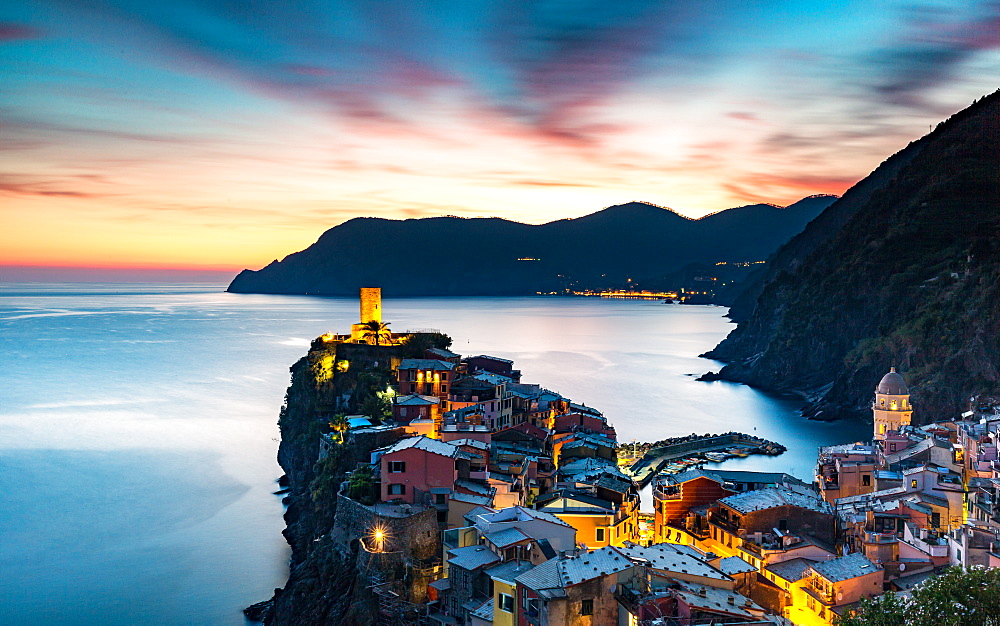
[215, 135]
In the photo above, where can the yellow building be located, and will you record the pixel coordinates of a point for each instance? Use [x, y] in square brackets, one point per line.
[505, 601]
[598, 522]
[829, 588]
[892, 407]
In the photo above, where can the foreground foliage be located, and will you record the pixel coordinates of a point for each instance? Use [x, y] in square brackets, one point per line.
[958, 597]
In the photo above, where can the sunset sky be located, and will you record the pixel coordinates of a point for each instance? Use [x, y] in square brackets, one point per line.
[222, 134]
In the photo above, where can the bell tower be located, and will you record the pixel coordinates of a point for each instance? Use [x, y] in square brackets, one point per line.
[892, 407]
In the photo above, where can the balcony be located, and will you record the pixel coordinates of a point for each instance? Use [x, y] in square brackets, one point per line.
[879, 538]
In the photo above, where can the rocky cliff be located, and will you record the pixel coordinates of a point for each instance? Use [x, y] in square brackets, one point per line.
[904, 270]
[324, 585]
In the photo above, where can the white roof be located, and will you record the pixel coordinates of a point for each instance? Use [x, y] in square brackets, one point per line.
[425, 443]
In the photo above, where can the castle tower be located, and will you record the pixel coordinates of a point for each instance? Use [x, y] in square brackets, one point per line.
[892, 407]
[371, 304]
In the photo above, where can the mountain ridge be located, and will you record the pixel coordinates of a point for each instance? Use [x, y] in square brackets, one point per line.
[631, 240]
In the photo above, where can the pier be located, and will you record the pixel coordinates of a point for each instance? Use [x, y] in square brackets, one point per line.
[653, 461]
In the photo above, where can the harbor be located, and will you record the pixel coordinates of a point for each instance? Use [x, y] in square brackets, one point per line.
[678, 453]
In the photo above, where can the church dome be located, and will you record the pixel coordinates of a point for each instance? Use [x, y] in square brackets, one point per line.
[892, 384]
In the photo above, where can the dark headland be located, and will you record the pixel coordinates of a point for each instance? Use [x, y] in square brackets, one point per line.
[633, 244]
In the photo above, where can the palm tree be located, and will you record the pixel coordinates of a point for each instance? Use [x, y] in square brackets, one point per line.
[339, 424]
[375, 331]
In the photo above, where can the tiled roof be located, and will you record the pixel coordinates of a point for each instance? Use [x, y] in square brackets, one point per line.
[562, 572]
[469, 498]
[542, 515]
[590, 565]
[425, 443]
[425, 364]
[509, 570]
[763, 499]
[441, 352]
[665, 557]
[614, 483]
[472, 443]
[472, 515]
[792, 570]
[544, 576]
[492, 358]
[476, 488]
[845, 568]
[490, 377]
[506, 537]
[417, 400]
[484, 611]
[565, 500]
[472, 557]
[714, 599]
[735, 565]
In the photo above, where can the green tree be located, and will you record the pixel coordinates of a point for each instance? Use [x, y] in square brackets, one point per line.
[361, 486]
[958, 597]
[375, 332]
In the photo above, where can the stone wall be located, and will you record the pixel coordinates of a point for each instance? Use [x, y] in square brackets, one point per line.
[412, 542]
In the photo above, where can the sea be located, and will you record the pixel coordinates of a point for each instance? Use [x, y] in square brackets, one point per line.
[138, 427]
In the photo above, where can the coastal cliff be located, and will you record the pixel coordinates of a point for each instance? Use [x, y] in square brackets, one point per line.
[324, 583]
[903, 271]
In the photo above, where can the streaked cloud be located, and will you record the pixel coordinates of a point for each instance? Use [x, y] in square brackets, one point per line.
[233, 133]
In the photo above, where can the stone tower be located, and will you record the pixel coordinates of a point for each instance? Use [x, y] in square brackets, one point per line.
[371, 304]
[892, 407]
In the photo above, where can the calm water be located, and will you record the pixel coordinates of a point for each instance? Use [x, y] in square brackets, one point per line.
[138, 435]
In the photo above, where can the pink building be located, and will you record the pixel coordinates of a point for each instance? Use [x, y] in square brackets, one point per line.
[422, 470]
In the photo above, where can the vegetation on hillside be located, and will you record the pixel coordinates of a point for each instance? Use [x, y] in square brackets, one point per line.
[912, 281]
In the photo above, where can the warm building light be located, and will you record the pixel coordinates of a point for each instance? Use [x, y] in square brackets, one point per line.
[378, 537]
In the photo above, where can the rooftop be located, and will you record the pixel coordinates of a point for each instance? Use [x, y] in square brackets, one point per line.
[791, 570]
[735, 565]
[845, 567]
[426, 364]
[427, 444]
[718, 600]
[666, 557]
[509, 570]
[472, 557]
[416, 400]
[506, 537]
[763, 499]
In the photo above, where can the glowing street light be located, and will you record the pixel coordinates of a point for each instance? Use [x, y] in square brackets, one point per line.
[378, 539]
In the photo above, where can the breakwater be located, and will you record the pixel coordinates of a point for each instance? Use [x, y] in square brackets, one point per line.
[692, 450]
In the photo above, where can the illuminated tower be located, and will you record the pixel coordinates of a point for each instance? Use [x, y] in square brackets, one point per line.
[892, 407]
[371, 304]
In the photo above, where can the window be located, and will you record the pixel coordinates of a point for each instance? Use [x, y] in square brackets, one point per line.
[505, 603]
[913, 484]
[782, 525]
[444, 388]
[600, 534]
[428, 389]
[935, 519]
[531, 607]
[587, 607]
[866, 480]
[440, 498]
[402, 412]
[395, 467]
[397, 490]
